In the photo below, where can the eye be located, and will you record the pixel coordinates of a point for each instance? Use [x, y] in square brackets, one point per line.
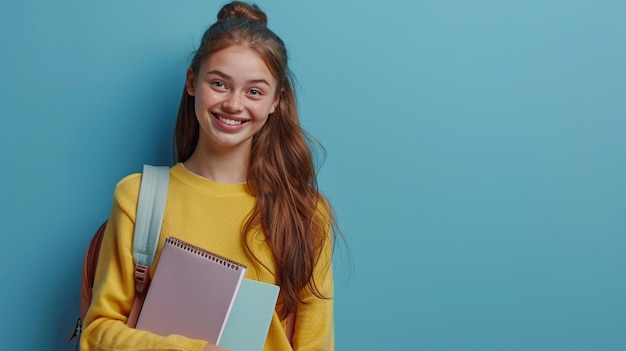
[255, 92]
[218, 84]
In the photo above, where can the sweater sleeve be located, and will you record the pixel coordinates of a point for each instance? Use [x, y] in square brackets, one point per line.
[314, 327]
[114, 286]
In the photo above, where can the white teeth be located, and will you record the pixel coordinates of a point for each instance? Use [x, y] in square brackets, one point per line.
[230, 122]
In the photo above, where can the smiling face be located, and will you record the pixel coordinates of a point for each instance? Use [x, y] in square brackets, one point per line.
[234, 94]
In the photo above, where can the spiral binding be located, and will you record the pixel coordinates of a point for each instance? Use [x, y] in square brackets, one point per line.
[204, 253]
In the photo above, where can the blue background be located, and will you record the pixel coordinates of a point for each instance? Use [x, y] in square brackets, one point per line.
[476, 159]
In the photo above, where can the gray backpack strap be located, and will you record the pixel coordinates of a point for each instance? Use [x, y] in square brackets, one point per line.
[150, 208]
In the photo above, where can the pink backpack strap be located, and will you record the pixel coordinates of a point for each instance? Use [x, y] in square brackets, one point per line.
[142, 282]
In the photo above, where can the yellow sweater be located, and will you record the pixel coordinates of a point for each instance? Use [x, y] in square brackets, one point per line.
[210, 215]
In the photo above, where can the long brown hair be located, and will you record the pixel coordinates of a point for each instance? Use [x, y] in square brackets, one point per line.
[289, 208]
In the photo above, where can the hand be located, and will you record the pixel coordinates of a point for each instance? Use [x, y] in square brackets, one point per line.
[209, 347]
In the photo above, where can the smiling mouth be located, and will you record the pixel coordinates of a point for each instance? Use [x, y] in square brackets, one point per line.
[230, 122]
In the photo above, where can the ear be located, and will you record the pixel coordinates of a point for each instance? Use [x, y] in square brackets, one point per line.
[190, 82]
[276, 101]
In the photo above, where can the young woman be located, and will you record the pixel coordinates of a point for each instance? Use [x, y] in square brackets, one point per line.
[244, 188]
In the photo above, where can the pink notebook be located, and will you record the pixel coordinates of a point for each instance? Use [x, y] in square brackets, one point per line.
[191, 294]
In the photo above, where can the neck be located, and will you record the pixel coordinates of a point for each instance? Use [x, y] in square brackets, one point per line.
[224, 166]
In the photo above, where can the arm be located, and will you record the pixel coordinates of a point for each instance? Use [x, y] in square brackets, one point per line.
[314, 327]
[114, 287]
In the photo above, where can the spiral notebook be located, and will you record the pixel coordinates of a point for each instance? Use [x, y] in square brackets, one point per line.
[192, 293]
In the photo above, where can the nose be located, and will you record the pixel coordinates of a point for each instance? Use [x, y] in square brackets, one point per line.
[233, 102]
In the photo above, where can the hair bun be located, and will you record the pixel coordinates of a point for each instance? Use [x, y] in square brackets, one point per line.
[238, 9]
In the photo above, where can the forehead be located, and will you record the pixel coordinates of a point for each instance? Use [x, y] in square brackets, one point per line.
[238, 62]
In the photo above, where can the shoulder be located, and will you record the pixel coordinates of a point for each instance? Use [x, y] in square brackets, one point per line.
[326, 224]
[324, 210]
[127, 189]
[130, 183]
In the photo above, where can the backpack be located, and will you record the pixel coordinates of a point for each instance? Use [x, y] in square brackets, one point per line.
[150, 208]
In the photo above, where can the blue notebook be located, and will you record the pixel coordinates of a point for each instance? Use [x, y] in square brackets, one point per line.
[250, 317]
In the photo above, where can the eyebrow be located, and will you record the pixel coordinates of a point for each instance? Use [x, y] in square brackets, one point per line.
[227, 77]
